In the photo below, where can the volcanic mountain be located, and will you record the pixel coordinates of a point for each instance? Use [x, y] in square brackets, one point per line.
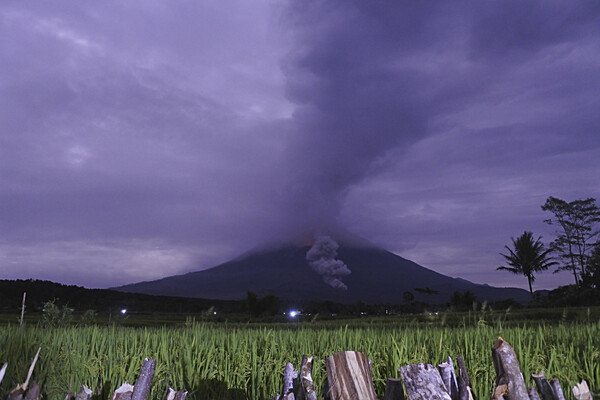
[376, 276]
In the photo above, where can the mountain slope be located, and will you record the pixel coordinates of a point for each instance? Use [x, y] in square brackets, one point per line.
[378, 276]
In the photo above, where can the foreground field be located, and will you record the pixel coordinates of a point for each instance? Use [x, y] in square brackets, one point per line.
[223, 361]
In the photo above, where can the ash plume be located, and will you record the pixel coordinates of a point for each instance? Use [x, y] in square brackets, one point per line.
[322, 259]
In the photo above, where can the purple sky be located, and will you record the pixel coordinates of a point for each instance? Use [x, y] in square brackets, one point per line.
[144, 139]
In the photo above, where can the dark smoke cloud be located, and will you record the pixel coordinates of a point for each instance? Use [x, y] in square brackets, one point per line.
[322, 259]
[152, 139]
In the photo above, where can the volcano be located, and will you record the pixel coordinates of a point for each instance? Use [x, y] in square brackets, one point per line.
[377, 276]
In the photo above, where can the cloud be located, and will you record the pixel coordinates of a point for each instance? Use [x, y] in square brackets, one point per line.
[435, 129]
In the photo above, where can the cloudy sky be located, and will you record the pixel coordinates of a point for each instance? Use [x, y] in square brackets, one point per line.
[143, 139]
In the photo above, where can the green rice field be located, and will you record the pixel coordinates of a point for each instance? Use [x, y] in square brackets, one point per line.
[239, 361]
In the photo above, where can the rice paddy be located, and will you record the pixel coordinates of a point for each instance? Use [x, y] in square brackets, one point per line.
[239, 361]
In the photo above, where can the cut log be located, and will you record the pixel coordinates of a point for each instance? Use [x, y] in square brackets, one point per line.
[543, 386]
[85, 393]
[124, 392]
[581, 391]
[349, 376]
[465, 390]
[508, 371]
[289, 375]
[448, 374]
[533, 394]
[557, 389]
[33, 393]
[306, 386]
[393, 390]
[423, 382]
[173, 394]
[141, 388]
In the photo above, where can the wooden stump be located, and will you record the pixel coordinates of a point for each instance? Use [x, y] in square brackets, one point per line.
[533, 394]
[510, 383]
[85, 393]
[123, 392]
[581, 391]
[289, 375]
[543, 386]
[349, 377]
[465, 389]
[173, 394]
[423, 382]
[144, 382]
[557, 389]
[306, 386]
[393, 390]
[448, 374]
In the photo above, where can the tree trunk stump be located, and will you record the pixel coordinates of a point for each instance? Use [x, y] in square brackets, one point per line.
[509, 379]
[349, 377]
[423, 382]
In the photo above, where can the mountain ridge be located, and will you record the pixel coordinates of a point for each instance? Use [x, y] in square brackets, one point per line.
[377, 276]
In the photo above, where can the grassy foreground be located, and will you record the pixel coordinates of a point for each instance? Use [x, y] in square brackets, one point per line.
[222, 361]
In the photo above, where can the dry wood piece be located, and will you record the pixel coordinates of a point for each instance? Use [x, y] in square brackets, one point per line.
[85, 393]
[465, 390]
[124, 392]
[393, 390]
[306, 386]
[349, 377]
[501, 388]
[22, 309]
[19, 391]
[543, 386]
[423, 382]
[289, 375]
[533, 394]
[3, 371]
[557, 389]
[448, 374]
[173, 394]
[508, 371]
[142, 386]
[581, 391]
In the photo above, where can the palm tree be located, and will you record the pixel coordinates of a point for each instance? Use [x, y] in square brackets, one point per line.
[527, 257]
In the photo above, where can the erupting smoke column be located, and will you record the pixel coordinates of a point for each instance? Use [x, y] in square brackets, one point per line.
[321, 258]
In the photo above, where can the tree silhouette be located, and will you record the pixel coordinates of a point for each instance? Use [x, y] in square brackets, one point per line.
[574, 240]
[527, 257]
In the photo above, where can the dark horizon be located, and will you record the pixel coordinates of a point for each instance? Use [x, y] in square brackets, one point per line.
[146, 140]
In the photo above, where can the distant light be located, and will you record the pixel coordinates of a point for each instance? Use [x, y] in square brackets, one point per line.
[293, 313]
[124, 311]
[214, 313]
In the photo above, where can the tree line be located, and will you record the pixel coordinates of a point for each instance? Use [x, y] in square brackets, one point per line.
[576, 247]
